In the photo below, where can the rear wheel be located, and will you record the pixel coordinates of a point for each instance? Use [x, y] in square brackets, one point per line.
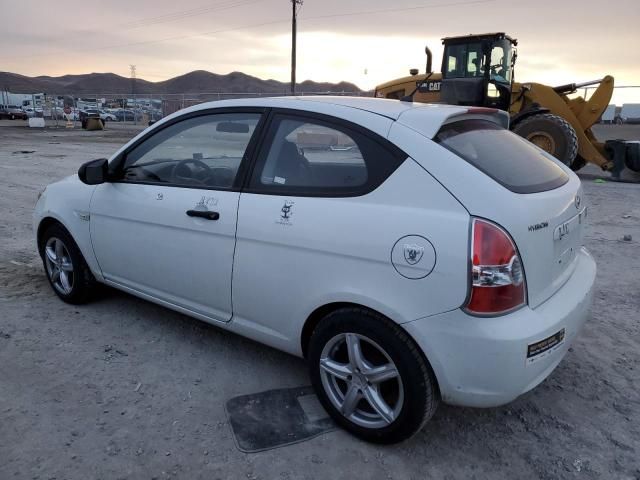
[551, 133]
[370, 376]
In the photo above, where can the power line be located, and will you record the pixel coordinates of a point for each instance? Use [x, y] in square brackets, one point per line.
[404, 9]
[262, 24]
[181, 15]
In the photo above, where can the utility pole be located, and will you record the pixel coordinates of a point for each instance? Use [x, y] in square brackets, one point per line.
[294, 33]
[132, 69]
[133, 93]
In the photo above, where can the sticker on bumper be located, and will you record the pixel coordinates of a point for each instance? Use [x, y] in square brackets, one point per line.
[539, 350]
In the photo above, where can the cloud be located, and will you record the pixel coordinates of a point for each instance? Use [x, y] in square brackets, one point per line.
[559, 41]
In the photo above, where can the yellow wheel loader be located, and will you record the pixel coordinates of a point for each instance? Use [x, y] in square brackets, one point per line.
[478, 71]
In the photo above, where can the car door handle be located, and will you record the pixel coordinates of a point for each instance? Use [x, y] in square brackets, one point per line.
[204, 214]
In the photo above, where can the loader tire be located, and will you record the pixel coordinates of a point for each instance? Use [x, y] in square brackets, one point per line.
[551, 133]
[578, 163]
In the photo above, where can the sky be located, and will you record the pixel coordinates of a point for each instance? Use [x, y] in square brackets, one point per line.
[361, 41]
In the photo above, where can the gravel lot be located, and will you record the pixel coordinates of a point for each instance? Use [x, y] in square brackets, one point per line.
[124, 389]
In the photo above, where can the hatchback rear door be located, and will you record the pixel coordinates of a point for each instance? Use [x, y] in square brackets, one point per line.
[501, 177]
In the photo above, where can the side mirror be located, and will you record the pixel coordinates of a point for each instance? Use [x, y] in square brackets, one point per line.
[94, 172]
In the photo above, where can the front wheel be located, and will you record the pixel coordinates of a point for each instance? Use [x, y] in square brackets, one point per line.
[551, 133]
[65, 266]
[370, 376]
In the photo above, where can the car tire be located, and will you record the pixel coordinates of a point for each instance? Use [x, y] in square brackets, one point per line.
[359, 390]
[12, 117]
[62, 260]
[551, 133]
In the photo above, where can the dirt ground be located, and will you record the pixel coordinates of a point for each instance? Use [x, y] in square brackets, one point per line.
[124, 389]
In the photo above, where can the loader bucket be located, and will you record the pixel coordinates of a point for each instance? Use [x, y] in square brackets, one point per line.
[580, 113]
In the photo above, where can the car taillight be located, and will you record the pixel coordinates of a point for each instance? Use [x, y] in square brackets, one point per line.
[497, 277]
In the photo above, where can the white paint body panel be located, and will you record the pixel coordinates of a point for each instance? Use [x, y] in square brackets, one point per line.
[68, 201]
[144, 241]
[339, 250]
[483, 197]
[481, 362]
[264, 276]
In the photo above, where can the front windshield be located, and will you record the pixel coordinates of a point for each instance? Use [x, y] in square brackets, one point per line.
[464, 61]
[468, 60]
[501, 61]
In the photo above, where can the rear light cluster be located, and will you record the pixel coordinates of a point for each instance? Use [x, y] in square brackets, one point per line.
[497, 278]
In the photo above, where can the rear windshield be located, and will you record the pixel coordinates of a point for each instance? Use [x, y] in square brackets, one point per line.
[504, 156]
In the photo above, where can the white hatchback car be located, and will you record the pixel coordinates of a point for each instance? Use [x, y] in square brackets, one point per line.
[411, 253]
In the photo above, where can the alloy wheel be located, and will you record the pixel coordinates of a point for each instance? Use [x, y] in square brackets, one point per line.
[361, 380]
[59, 265]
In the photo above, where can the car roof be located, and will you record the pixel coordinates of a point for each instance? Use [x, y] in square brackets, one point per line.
[375, 114]
[392, 109]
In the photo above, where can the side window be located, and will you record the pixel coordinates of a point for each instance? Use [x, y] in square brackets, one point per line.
[451, 66]
[315, 157]
[199, 152]
[463, 61]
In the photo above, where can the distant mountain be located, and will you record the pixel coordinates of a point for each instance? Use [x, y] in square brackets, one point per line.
[199, 81]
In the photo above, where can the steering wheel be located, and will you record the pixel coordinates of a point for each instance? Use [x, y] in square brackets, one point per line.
[181, 171]
[223, 176]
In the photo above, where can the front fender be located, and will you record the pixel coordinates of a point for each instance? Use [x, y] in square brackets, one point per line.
[526, 113]
[68, 202]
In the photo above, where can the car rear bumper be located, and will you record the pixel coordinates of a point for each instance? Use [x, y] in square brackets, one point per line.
[483, 362]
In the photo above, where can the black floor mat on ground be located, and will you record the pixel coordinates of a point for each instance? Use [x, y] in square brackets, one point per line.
[271, 419]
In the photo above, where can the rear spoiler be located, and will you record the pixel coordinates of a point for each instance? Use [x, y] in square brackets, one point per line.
[494, 113]
[429, 126]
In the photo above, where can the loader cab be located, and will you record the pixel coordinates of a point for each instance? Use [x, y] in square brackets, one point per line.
[477, 70]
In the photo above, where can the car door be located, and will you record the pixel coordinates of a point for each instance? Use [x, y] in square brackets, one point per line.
[165, 227]
[302, 219]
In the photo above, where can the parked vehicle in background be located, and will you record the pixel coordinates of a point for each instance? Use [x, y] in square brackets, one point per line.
[73, 115]
[55, 113]
[84, 114]
[13, 112]
[609, 115]
[94, 112]
[154, 115]
[127, 115]
[629, 113]
[411, 253]
[107, 117]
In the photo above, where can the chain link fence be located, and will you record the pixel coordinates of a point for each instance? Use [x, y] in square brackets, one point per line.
[140, 108]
